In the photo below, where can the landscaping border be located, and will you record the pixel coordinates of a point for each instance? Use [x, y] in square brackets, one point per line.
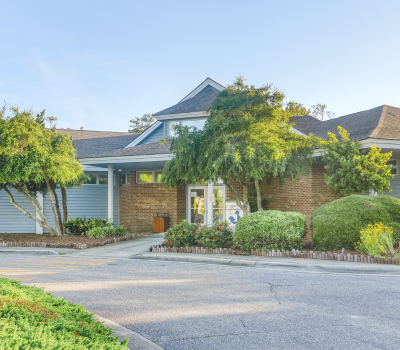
[360, 258]
[66, 245]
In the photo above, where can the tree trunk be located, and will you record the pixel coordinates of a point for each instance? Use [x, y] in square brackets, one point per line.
[258, 191]
[246, 205]
[65, 209]
[60, 219]
[53, 207]
[43, 222]
[237, 199]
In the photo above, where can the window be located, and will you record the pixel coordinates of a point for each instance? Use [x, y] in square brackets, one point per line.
[126, 179]
[103, 179]
[198, 123]
[158, 175]
[143, 177]
[394, 168]
[92, 180]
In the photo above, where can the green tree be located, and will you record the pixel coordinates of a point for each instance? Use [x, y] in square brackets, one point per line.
[31, 156]
[246, 137]
[295, 109]
[319, 111]
[140, 124]
[351, 170]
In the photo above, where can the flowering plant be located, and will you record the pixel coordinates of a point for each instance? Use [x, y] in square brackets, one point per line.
[180, 235]
[376, 240]
[216, 236]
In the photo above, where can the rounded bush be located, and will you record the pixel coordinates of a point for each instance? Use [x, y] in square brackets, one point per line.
[180, 235]
[270, 229]
[337, 224]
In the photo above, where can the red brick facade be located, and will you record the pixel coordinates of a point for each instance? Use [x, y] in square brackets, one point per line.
[303, 196]
[138, 202]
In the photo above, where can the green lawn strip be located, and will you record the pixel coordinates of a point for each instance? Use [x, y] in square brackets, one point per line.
[33, 319]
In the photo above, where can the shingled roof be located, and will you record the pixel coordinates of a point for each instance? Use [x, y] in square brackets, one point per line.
[140, 150]
[91, 134]
[197, 103]
[382, 122]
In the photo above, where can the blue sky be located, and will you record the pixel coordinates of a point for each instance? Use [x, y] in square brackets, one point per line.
[97, 64]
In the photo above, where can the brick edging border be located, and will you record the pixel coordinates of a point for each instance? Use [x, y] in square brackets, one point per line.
[66, 245]
[283, 254]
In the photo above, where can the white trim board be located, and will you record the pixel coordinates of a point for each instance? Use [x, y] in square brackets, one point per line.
[126, 159]
[182, 115]
[144, 134]
[206, 82]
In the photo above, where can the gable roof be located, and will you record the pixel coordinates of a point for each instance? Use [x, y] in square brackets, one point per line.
[89, 141]
[196, 101]
[382, 122]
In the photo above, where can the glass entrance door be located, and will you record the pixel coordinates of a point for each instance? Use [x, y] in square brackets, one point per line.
[198, 204]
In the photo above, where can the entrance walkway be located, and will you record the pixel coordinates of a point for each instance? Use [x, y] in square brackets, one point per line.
[121, 250]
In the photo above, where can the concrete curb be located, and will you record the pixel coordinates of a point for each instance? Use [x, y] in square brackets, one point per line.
[34, 252]
[336, 267]
[136, 342]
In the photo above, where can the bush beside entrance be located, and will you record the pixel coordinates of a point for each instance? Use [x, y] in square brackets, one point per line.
[270, 229]
[337, 224]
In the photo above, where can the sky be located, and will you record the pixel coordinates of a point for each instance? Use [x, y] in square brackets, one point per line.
[98, 64]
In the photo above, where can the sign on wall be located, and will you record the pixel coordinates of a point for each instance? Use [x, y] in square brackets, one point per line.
[233, 213]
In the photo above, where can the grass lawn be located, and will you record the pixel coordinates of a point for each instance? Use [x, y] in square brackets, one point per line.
[33, 319]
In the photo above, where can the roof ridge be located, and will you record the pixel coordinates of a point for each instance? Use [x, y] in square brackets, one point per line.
[380, 123]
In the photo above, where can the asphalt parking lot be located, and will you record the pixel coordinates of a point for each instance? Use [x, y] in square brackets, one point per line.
[180, 305]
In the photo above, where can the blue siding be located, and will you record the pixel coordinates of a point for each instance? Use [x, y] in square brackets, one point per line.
[13, 220]
[155, 136]
[89, 201]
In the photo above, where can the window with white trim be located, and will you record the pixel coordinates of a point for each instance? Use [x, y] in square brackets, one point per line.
[97, 179]
[196, 122]
[125, 179]
[148, 177]
[394, 168]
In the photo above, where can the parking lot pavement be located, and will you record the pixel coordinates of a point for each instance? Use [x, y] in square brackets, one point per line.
[182, 305]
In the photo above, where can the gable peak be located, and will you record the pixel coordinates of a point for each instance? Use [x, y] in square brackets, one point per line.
[201, 87]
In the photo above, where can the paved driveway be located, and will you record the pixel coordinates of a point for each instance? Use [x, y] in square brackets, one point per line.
[198, 306]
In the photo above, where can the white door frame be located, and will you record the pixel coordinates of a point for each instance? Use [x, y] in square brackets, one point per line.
[207, 205]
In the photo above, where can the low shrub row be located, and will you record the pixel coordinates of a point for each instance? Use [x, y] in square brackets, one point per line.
[368, 224]
[94, 227]
[270, 229]
[33, 319]
[187, 234]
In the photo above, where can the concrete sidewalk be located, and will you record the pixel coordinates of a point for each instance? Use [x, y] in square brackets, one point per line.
[120, 250]
[288, 264]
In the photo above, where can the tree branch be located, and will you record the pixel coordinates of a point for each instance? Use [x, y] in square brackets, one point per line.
[238, 201]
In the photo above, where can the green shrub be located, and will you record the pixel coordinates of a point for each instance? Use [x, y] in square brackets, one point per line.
[337, 224]
[79, 226]
[270, 229]
[216, 236]
[180, 235]
[121, 231]
[33, 319]
[100, 232]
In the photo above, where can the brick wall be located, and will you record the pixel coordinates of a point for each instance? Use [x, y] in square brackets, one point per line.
[303, 196]
[139, 201]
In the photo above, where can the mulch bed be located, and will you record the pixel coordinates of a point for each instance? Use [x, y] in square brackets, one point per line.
[48, 241]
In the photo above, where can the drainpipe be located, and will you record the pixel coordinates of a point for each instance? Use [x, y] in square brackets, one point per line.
[110, 184]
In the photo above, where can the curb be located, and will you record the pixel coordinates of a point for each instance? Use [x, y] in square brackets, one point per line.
[349, 268]
[34, 252]
[136, 342]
